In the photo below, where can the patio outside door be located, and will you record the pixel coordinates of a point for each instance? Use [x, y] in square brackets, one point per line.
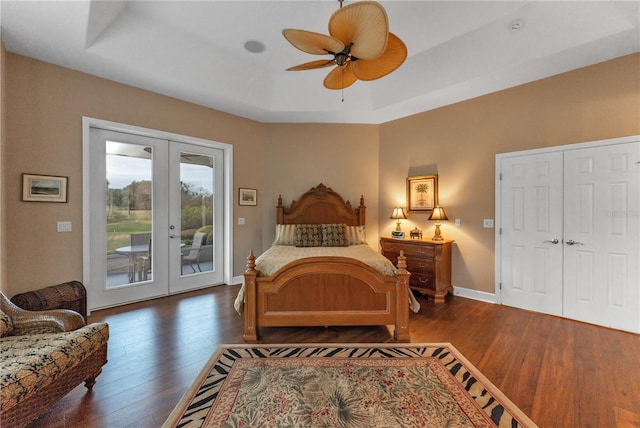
[156, 217]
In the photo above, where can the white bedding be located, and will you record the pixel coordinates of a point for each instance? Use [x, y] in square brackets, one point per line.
[279, 255]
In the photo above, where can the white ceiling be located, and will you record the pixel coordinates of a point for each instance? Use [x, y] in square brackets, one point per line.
[193, 50]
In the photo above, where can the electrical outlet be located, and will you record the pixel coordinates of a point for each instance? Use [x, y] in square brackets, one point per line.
[240, 221]
[457, 222]
[488, 223]
[64, 226]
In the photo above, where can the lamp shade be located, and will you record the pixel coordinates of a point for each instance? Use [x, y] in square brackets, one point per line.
[398, 213]
[438, 214]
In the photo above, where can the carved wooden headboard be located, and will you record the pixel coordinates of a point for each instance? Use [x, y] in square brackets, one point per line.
[321, 205]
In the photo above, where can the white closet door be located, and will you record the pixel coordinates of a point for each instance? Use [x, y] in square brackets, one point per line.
[602, 235]
[531, 224]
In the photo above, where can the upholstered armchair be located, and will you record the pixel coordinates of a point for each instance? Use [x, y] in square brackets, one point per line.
[43, 356]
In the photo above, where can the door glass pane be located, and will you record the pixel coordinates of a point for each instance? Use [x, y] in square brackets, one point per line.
[196, 213]
[129, 213]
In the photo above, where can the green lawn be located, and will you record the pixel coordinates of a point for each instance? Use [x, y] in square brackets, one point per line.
[121, 225]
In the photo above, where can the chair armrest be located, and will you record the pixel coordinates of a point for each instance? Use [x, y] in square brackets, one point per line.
[68, 295]
[57, 320]
[29, 322]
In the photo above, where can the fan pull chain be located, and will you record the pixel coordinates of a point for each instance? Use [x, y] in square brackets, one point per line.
[342, 76]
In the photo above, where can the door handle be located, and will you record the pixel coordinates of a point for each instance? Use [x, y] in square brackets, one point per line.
[572, 242]
[173, 236]
[552, 241]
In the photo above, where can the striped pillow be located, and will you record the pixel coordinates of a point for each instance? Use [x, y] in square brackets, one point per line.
[356, 235]
[285, 234]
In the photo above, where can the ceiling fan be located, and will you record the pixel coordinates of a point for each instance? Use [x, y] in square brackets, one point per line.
[360, 43]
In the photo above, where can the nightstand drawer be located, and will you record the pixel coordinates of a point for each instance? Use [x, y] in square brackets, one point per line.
[409, 250]
[422, 280]
[420, 266]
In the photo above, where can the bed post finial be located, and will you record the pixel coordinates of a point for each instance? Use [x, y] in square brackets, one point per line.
[251, 261]
[279, 201]
[362, 212]
[402, 262]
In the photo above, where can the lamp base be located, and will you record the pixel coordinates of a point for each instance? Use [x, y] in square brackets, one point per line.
[437, 236]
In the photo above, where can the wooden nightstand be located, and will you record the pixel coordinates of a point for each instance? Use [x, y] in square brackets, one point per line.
[429, 263]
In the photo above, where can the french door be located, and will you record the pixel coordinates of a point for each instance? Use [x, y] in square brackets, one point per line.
[156, 217]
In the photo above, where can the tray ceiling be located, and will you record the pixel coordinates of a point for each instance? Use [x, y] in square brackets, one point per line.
[194, 50]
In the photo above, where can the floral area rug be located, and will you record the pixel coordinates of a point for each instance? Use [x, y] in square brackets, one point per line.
[331, 385]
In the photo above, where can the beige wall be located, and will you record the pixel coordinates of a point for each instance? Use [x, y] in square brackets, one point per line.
[45, 105]
[459, 143]
[342, 157]
[3, 267]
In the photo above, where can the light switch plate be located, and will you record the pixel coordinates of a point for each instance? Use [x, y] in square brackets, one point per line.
[64, 226]
[240, 221]
[457, 222]
[488, 223]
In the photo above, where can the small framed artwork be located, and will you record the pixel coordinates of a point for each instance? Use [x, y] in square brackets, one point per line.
[422, 192]
[248, 197]
[44, 188]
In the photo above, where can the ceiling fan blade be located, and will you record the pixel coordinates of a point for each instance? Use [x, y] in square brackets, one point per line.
[391, 59]
[365, 24]
[340, 77]
[313, 43]
[313, 65]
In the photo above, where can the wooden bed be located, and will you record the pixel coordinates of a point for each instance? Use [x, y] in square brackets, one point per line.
[325, 291]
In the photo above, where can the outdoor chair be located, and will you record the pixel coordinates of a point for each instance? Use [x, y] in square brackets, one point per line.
[144, 264]
[193, 256]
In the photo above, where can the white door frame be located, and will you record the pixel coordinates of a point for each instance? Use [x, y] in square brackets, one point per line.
[89, 122]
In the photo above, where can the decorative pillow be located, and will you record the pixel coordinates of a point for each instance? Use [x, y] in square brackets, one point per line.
[356, 235]
[308, 235]
[334, 235]
[285, 234]
[6, 325]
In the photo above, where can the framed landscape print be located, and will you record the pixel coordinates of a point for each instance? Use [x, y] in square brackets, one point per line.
[44, 188]
[422, 192]
[248, 197]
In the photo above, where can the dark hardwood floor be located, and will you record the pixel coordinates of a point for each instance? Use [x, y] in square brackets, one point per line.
[559, 372]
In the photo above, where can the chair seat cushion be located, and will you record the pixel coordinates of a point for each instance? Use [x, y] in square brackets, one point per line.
[31, 362]
[6, 324]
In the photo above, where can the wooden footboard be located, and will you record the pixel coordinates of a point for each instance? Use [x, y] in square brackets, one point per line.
[326, 291]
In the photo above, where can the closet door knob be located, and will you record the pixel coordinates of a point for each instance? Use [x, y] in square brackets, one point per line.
[572, 242]
[553, 241]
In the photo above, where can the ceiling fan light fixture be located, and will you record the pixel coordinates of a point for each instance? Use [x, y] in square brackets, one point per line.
[360, 42]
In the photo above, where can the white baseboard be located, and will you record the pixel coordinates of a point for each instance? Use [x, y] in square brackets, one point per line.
[468, 293]
[237, 280]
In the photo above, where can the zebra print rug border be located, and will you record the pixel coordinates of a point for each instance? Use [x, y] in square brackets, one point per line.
[195, 407]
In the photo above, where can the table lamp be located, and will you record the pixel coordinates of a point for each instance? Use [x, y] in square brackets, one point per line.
[398, 214]
[437, 214]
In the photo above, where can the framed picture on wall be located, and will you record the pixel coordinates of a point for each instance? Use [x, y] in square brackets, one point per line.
[44, 188]
[248, 197]
[422, 192]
